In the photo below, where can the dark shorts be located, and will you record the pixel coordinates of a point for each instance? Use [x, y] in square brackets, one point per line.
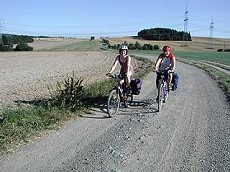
[123, 75]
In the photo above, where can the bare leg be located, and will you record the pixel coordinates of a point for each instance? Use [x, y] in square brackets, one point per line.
[169, 80]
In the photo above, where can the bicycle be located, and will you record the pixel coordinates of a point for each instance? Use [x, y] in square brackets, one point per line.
[163, 88]
[117, 94]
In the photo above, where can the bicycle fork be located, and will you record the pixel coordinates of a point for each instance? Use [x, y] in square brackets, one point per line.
[165, 91]
[123, 95]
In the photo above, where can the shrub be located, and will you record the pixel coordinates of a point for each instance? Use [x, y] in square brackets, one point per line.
[106, 41]
[92, 38]
[156, 47]
[131, 46]
[23, 47]
[6, 47]
[147, 47]
[70, 95]
[150, 47]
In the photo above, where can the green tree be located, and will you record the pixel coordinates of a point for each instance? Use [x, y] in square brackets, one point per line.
[156, 47]
[164, 34]
[131, 46]
[23, 47]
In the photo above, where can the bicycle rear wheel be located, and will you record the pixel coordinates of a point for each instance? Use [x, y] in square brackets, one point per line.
[113, 103]
[160, 97]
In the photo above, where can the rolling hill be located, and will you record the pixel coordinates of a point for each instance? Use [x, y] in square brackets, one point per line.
[197, 43]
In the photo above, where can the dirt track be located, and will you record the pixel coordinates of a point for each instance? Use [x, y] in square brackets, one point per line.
[190, 134]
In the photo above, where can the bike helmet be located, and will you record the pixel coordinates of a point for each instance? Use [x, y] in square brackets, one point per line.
[166, 48]
[123, 47]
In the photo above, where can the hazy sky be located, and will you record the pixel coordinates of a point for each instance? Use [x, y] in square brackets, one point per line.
[114, 18]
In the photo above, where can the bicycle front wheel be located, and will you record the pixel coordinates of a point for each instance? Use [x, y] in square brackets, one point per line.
[160, 97]
[113, 103]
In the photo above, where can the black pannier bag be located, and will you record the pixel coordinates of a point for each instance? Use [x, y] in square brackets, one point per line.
[136, 85]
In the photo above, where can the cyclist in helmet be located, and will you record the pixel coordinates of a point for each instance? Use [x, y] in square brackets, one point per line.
[124, 60]
[165, 62]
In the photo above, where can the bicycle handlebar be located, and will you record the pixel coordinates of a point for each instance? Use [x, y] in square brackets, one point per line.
[118, 75]
[113, 75]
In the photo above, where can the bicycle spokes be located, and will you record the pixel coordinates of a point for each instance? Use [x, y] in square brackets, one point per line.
[113, 102]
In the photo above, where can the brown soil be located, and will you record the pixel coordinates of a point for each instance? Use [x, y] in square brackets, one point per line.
[25, 76]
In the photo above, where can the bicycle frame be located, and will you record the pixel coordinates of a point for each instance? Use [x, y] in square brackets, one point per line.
[118, 86]
[162, 89]
[117, 95]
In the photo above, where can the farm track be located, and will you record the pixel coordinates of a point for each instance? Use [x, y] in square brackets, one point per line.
[190, 134]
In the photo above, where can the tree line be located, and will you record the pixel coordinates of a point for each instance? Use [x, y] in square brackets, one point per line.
[164, 34]
[8, 40]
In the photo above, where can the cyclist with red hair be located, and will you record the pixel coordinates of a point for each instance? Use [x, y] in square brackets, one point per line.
[165, 62]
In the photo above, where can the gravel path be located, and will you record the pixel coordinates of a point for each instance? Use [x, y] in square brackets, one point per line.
[190, 134]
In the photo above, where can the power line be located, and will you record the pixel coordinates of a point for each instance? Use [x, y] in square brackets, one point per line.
[211, 33]
[197, 24]
[185, 35]
[76, 33]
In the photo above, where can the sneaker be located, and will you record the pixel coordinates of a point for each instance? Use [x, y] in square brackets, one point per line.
[170, 87]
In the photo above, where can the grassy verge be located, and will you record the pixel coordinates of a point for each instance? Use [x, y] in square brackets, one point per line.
[69, 100]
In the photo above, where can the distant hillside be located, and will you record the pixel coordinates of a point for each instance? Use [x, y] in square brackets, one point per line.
[197, 43]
